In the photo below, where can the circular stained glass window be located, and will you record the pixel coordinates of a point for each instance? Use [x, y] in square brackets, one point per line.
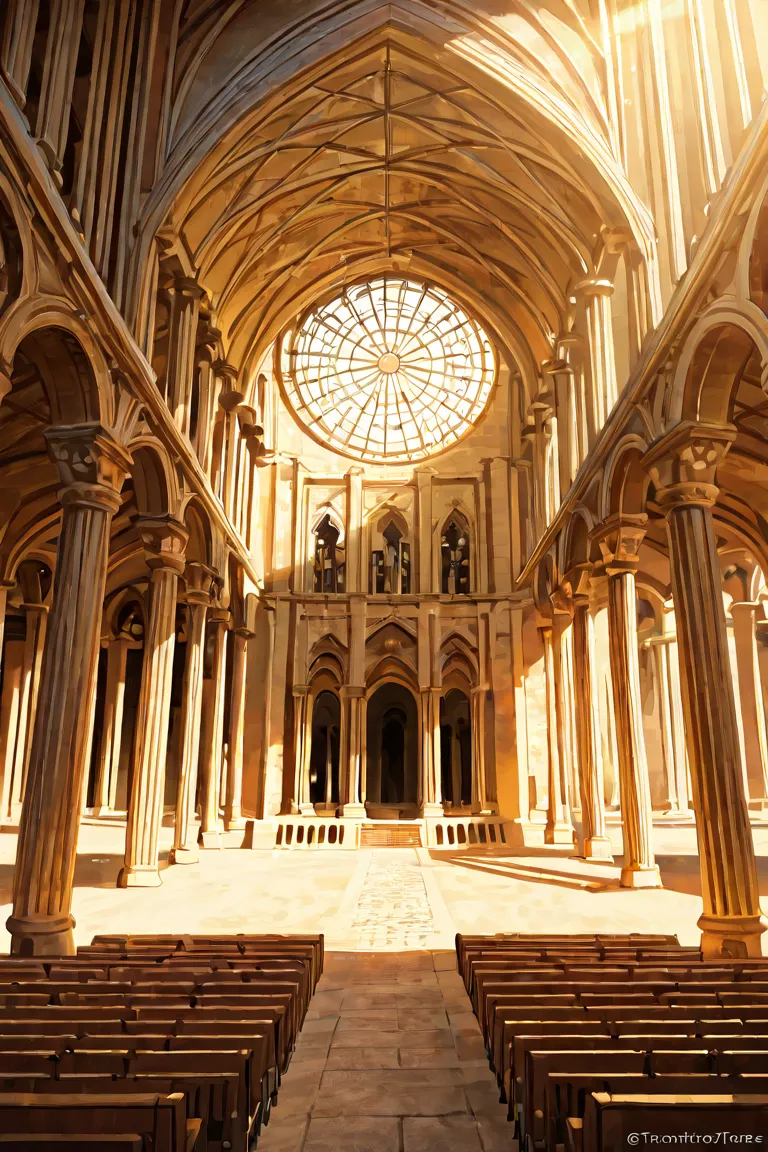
[389, 371]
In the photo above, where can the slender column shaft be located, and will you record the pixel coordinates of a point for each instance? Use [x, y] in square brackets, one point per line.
[112, 727]
[92, 466]
[353, 727]
[233, 809]
[28, 696]
[558, 827]
[212, 735]
[639, 870]
[164, 544]
[62, 44]
[597, 845]
[477, 729]
[431, 791]
[17, 44]
[751, 700]
[303, 706]
[184, 849]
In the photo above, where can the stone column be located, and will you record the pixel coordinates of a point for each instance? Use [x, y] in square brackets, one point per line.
[620, 538]
[477, 729]
[596, 297]
[212, 733]
[751, 699]
[61, 51]
[112, 727]
[229, 400]
[302, 712]
[92, 466]
[558, 829]
[357, 578]
[353, 708]
[431, 790]
[424, 509]
[596, 844]
[16, 52]
[233, 807]
[683, 466]
[182, 337]
[34, 643]
[198, 578]
[664, 650]
[164, 541]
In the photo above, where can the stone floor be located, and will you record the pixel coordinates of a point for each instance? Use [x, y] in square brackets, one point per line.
[390, 1060]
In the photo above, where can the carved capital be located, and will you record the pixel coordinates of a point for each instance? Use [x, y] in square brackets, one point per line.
[580, 579]
[91, 463]
[164, 540]
[200, 581]
[593, 287]
[188, 287]
[562, 603]
[619, 538]
[683, 464]
[352, 692]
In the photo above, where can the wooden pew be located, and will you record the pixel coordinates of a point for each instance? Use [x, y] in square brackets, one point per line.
[153, 1116]
[610, 1119]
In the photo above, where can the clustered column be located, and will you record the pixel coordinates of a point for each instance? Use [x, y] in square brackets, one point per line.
[164, 540]
[683, 466]
[212, 732]
[558, 829]
[92, 466]
[596, 844]
[199, 581]
[620, 538]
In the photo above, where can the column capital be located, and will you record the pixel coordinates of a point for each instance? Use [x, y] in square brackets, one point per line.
[593, 286]
[164, 540]
[189, 287]
[579, 576]
[743, 608]
[91, 463]
[562, 603]
[619, 537]
[219, 615]
[352, 692]
[200, 581]
[301, 689]
[683, 463]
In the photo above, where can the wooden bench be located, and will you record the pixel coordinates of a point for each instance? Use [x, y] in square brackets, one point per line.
[609, 1119]
[156, 1118]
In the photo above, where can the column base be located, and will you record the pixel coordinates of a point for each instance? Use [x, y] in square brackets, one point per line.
[598, 848]
[136, 876]
[209, 839]
[42, 935]
[432, 811]
[235, 824]
[306, 809]
[732, 936]
[183, 856]
[558, 834]
[354, 811]
[102, 810]
[635, 877]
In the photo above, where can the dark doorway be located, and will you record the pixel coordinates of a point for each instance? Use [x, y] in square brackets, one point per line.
[392, 752]
[456, 748]
[324, 755]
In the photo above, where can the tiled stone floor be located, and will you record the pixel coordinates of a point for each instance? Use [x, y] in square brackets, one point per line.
[390, 1060]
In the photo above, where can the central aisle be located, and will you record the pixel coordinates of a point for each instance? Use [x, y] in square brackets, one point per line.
[390, 1059]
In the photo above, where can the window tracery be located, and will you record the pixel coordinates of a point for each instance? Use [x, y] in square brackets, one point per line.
[390, 371]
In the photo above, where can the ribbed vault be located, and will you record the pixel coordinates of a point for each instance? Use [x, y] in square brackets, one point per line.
[400, 151]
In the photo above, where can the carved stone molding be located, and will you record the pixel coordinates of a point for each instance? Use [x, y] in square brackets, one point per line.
[683, 464]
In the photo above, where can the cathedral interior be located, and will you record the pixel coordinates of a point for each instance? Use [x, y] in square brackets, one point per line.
[383, 545]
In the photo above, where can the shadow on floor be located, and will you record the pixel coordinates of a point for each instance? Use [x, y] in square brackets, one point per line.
[535, 874]
[94, 870]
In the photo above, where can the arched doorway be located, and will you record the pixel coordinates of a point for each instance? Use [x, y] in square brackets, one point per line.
[324, 754]
[392, 763]
[456, 748]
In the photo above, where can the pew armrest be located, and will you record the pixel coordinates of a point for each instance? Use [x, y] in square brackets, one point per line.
[574, 1134]
[195, 1141]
